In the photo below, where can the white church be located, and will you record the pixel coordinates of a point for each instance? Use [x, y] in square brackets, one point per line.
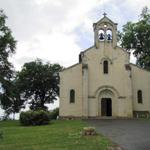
[104, 82]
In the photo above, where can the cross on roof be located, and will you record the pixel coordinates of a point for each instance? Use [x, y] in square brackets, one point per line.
[104, 14]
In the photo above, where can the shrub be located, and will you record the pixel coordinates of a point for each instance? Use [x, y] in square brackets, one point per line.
[30, 117]
[54, 114]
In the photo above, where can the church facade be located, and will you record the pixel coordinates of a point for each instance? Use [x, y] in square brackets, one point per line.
[104, 82]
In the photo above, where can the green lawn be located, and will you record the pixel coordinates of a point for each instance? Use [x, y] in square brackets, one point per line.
[58, 135]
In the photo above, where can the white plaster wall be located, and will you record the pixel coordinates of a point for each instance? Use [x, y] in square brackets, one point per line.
[118, 77]
[141, 81]
[71, 78]
[92, 107]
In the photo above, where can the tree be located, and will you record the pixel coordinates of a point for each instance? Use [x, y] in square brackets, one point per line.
[136, 37]
[38, 83]
[7, 47]
[11, 101]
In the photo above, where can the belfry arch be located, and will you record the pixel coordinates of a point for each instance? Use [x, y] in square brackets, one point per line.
[105, 30]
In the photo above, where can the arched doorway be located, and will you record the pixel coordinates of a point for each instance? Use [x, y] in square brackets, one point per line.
[106, 107]
[107, 102]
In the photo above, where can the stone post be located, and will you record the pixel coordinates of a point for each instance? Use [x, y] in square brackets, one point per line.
[85, 89]
[96, 40]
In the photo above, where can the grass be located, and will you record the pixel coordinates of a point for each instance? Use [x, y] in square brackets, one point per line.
[58, 135]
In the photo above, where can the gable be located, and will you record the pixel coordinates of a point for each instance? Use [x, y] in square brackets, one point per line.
[106, 20]
[105, 52]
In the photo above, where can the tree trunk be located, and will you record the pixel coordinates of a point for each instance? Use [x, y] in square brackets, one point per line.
[14, 116]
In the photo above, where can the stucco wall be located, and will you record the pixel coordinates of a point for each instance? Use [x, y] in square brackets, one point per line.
[118, 78]
[71, 78]
[141, 81]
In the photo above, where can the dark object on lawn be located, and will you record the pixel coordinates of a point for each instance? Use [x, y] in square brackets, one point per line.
[1, 135]
[54, 114]
[114, 148]
[88, 131]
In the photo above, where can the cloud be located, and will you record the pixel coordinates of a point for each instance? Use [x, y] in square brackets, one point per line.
[58, 30]
[54, 47]
[46, 29]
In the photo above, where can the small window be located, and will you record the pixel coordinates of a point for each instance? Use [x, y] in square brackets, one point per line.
[105, 67]
[139, 96]
[72, 96]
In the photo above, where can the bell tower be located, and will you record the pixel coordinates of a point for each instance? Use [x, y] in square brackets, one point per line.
[105, 32]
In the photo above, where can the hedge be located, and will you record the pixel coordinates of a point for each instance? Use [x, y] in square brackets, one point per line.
[34, 118]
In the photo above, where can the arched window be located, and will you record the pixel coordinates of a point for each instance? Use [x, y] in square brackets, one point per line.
[72, 96]
[109, 35]
[105, 67]
[139, 96]
[101, 35]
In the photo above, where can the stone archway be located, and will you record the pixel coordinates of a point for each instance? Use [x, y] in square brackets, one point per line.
[105, 105]
[107, 92]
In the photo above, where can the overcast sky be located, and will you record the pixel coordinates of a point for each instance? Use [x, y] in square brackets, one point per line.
[57, 30]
